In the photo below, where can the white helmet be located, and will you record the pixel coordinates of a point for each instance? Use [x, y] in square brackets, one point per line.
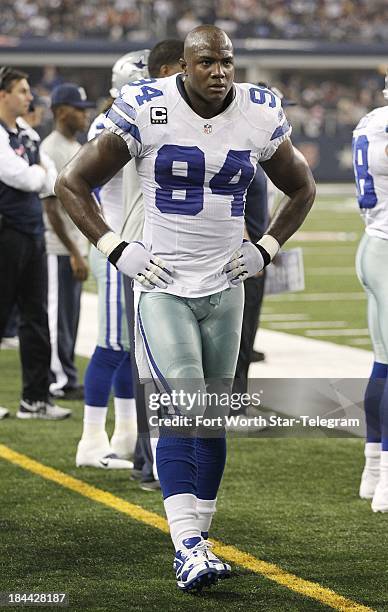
[129, 67]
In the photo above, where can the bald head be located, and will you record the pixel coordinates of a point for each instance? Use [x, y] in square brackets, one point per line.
[206, 36]
[208, 67]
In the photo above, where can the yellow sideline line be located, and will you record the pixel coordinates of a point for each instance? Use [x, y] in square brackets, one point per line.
[230, 553]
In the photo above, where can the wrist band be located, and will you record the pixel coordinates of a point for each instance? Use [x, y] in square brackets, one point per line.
[108, 242]
[117, 252]
[270, 244]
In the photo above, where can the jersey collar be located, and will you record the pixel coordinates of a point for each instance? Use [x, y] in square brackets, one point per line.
[229, 100]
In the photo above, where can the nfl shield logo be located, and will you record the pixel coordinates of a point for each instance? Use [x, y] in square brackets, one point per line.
[207, 128]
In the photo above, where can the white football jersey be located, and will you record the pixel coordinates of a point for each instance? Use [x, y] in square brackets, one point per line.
[370, 162]
[194, 172]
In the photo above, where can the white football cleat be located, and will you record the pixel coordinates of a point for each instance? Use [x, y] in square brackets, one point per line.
[123, 445]
[192, 566]
[223, 569]
[96, 452]
[380, 498]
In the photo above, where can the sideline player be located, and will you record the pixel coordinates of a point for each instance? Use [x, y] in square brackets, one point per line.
[66, 246]
[370, 161]
[110, 364]
[163, 61]
[197, 138]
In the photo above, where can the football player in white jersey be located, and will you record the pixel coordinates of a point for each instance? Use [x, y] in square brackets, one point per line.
[110, 364]
[197, 138]
[370, 161]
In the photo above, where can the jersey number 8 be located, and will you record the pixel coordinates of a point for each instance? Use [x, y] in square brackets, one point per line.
[366, 194]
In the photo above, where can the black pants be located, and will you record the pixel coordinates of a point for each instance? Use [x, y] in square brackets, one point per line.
[64, 301]
[254, 291]
[23, 281]
[143, 453]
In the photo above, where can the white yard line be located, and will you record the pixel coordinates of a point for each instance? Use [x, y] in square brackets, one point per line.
[284, 317]
[312, 236]
[317, 297]
[306, 324]
[336, 189]
[338, 332]
[335, 251]
[331, 271]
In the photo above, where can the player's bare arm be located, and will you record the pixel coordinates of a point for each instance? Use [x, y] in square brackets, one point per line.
[289, 171]
[93, 166]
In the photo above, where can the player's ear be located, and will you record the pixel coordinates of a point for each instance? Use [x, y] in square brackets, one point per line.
[183, 64]
[164, 71]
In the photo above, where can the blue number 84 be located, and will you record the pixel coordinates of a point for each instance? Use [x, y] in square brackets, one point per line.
[232, 179]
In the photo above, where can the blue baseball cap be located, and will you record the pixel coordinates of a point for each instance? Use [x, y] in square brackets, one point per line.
[71, 95]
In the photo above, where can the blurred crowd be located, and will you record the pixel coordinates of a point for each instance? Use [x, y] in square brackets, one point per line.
[325, 103]
[333, 20]
[328, 106]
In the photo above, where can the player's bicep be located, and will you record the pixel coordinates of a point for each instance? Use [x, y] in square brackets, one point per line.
[97, 161]
[288, 168]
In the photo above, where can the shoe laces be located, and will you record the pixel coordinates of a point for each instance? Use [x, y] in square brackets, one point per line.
[200, 548]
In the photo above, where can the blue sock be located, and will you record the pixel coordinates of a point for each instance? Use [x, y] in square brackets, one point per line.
[122, 378]
[211, 457]
[99, 375]
[373, 399]
[177, 465]
[384, 418]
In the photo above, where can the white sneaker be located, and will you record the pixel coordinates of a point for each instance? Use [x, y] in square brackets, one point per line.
[3, 413]
[223, 569]
[380, 498]
[96, 452]
[192, 566]
[123, 445]
[41, 410]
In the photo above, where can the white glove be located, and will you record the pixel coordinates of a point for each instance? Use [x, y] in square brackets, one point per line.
[245, 262]
[138, 263]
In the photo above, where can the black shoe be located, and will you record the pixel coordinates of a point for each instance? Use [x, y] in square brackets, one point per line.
[257, 356]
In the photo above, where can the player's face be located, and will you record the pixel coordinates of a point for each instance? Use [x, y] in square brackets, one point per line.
[18, 99]
[210, 71]
[77, 119]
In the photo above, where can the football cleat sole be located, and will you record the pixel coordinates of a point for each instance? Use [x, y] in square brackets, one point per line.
[205, 578]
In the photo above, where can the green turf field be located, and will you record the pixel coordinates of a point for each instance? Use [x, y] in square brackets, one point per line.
[330, 236]
[291, 502]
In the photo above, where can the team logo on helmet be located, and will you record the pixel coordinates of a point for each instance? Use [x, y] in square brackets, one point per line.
[130, 67]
